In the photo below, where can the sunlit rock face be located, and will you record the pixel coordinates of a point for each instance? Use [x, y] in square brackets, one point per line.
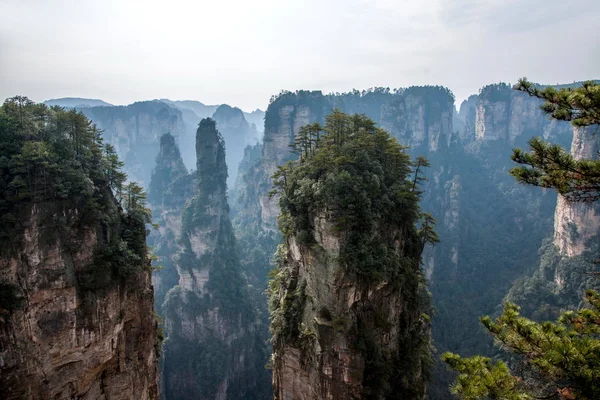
[510, 116]
[577, 225]
[65, 342]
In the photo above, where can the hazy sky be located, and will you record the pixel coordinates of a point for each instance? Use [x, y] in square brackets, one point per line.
[242, 51]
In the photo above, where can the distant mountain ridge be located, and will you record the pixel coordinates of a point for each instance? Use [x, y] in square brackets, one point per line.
[76, 102]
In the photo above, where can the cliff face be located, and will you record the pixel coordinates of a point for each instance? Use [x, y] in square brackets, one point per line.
[237, 134]
[566, 263]
[66, 342]
[170, 187]
[213, 348]
[348, 311]
[576, 225]
[420, 117]
[476, 203]
[464, 123]
[507, 115]
[135, 132]
[76, 299]
[339, 315]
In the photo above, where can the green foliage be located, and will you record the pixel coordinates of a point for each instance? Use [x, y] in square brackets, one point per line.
[479, 378]
[54, 155]
[565, 356]
[556, 284]
[496, 92]
[363, 182]
[550, 166]
[359, 175]
[286, 314]
[580, 105]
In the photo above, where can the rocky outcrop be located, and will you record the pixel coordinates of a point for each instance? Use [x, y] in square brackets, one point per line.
[76, 298]
[476, 203]
[577, 225]
[464, 122]
[171, 185]
[511, 116]
[213, 348]
[135, 132]
[339, 315]
[420, 117]
[237, 134]
[348, 308]
[66, 341]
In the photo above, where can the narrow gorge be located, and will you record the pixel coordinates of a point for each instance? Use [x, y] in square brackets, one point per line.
[214, 347]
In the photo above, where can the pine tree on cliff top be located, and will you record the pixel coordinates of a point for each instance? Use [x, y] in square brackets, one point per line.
[562, 358]
[551, 166]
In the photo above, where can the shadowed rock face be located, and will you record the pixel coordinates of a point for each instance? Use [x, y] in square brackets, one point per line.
[213, 348]
[347, 324]
[171, 185]
[65, 342]
[237, 134]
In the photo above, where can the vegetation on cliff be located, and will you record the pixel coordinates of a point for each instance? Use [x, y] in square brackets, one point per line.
[562, 359]
[358, 178]
[213, 343]
[53, 155]
[551, 166]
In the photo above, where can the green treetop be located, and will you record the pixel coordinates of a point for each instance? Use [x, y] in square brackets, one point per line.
[364, 180]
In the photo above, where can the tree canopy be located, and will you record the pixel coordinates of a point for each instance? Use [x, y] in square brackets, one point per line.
[54, 155]
[360, 175]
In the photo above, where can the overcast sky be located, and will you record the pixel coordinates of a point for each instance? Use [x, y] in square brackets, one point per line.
[242, 51]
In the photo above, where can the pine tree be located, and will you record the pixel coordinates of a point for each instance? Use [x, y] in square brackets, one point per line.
[551, 166]
[562, 358]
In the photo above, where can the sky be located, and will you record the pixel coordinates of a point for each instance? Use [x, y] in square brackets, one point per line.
[242, 52]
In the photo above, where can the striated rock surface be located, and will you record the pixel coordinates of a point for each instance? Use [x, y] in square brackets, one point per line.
[577, 225]
[214, 348]
[66, 342]
[511, 116]
[327, 361]
[76, 298]
[348, 308]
